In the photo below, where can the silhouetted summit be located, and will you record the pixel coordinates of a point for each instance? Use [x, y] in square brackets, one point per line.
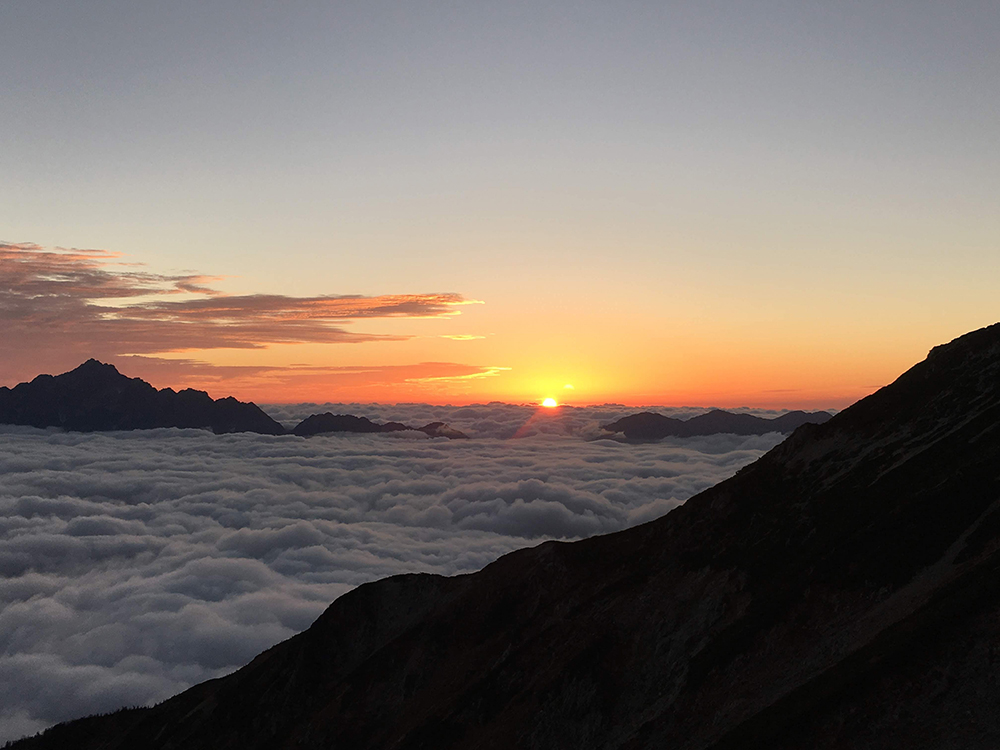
[95, 396]
[649, 425]
[319, 424]
[441, 429]
[841, 592]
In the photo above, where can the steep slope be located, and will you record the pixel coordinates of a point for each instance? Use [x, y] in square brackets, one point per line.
[843, 591]
[95, 396]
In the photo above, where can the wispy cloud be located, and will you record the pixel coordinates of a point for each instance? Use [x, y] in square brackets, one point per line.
[298, 383]
[482, 372]
[62, 305]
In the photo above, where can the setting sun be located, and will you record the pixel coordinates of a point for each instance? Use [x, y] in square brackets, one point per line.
[550, 403]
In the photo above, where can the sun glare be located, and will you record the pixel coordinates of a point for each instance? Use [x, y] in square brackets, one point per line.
[550, 403]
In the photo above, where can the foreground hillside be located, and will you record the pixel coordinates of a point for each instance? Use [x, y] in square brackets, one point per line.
[843, 591]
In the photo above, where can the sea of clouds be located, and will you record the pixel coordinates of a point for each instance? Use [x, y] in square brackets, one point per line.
[135, 564]
[497, 419]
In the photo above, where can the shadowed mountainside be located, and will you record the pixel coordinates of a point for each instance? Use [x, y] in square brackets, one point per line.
[842, 591]
[648, 425]
[96, 397]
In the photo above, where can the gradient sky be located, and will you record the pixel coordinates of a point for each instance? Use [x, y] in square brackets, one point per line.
[771, 204]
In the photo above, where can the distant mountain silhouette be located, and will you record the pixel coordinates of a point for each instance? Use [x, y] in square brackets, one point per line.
[440, 429]
[318, 424]
[841, 592]
[648, 425]
[95, 396]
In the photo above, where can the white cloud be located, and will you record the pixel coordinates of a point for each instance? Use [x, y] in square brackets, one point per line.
[133, 565]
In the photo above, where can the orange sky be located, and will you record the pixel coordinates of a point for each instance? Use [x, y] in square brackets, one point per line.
[760, 344]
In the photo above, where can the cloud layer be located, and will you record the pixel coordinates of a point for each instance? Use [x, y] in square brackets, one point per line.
[133, 565]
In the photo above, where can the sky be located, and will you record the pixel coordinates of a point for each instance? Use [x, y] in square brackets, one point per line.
[769, 204]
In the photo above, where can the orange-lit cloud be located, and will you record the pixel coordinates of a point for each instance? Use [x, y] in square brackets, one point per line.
[485, 372]
[59, 307]
[300, 383]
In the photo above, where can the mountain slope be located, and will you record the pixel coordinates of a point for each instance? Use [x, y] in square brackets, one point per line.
[95, 396]
[842, 591]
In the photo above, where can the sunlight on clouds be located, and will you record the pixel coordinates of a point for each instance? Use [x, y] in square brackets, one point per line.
[486, 372]
[108, 309]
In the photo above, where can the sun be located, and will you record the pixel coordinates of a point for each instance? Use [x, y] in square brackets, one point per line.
[551, 403]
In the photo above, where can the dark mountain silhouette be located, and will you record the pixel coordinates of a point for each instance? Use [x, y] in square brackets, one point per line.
[648, 425]
[95, 396]
[440, 429]
[318, 424]
[841, 592]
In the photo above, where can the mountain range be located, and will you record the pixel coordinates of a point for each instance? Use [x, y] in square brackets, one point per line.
[649, 425]
[319, 424]
[843, 591]
[96, 397]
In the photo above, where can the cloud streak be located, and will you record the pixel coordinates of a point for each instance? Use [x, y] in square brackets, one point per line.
[74, 304]
[135, 564]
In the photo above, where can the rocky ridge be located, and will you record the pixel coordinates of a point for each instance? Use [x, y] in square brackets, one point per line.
[96, 397]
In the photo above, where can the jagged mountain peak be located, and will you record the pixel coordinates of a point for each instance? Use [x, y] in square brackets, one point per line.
[95, 396]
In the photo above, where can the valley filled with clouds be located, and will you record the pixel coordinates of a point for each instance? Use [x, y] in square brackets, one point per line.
[135, 564]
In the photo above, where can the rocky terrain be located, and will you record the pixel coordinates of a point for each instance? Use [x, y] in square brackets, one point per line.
[841, 592]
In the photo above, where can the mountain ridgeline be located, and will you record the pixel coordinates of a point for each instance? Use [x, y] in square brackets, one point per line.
[96, 397]
[319, 424]
[841, 592]
[651, 426]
